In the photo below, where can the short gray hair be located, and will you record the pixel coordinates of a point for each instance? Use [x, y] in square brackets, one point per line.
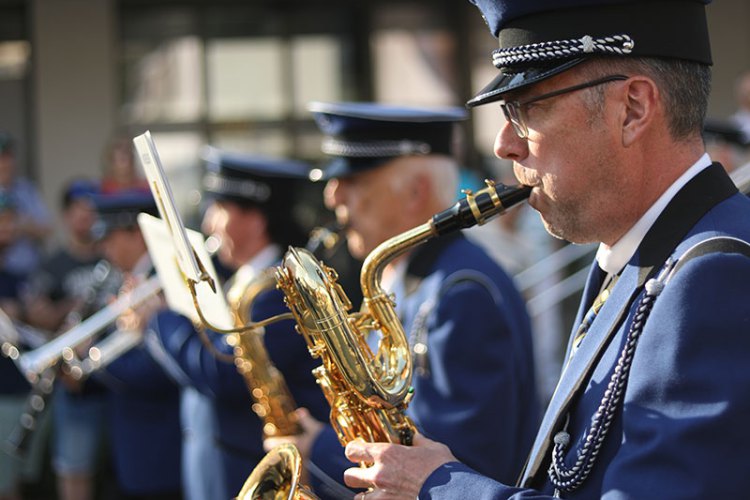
[442, 171]
[685, 85]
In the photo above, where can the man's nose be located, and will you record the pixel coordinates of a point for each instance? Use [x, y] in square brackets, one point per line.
[508, 145]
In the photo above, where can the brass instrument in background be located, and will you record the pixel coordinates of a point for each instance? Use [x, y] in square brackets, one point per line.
[276, 477]
[368, 392]
[272, 400]
[40, 366]
[33, 363]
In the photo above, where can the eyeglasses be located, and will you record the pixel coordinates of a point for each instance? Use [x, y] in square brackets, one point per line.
[513, 110]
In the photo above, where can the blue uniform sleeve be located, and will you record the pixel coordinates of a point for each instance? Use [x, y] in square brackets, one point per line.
[479, 397]
[201, 369]
[327, 465]
[136, 372]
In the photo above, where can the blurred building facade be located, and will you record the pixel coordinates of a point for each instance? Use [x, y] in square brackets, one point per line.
[239, 73]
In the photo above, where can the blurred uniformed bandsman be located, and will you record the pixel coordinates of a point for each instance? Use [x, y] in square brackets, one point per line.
[143, 402]
[391, 168]
[251, 212]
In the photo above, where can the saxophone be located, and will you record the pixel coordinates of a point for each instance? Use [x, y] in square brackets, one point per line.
[370, 391]
[272, 400]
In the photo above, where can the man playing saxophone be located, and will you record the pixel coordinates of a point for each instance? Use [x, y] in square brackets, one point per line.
[391, 169]
[251, 215]
[605, 104]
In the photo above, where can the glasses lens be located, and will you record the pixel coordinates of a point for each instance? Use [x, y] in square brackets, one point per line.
[513, 114]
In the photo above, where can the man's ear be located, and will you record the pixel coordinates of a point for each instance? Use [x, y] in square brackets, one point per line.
[641, 105]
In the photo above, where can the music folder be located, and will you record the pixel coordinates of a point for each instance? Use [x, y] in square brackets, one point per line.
[176, 292]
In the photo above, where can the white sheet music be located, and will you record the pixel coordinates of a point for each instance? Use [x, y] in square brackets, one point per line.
[157, 180]
[173, 248]
[161, 249]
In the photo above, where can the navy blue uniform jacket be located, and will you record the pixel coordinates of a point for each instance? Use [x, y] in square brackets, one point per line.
[144, 411]
[474, 388]
[239, 433]
[682, 427]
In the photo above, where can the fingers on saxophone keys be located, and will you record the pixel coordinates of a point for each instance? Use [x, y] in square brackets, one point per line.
[358, 451]
[360, 477]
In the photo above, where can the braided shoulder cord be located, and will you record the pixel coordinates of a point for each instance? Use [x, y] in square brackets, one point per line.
[562, 49]
[569, 479]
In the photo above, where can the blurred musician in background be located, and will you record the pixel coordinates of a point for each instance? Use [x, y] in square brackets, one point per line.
[391, 169]
[34, 221]
[143, 401]
[252, 217]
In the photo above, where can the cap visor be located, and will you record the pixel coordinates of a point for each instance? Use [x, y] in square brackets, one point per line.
[505, 82]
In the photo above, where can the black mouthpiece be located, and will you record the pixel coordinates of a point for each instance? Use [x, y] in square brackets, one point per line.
[477, 208]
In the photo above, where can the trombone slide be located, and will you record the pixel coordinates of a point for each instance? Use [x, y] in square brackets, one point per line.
[33, 363]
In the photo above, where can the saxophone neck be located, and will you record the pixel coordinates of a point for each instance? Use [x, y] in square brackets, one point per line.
[386, 252]
[474, 208]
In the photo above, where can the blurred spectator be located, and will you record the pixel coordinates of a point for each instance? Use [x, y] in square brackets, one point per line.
[13, 386]
[120, 172]
[742, 93]
[33, 223]
[71, 284]
[65, 277]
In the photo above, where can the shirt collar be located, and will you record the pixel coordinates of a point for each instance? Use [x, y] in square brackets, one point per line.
[613, 259]
[262, 260]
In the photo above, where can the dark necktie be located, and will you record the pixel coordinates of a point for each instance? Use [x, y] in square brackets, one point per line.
[608, 282]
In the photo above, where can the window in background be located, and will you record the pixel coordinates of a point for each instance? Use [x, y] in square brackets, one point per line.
[246, 79]
[164, 82]
[238, 74]
[15, 81]
[414, 55]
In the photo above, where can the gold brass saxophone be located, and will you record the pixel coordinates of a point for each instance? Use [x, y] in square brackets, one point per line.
[370, 391]
[276, 477]
[273, 402]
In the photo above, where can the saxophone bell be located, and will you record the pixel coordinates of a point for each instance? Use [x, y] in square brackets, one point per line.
[277, 477]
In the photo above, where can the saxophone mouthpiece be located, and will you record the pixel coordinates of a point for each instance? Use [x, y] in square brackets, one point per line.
[477, 208]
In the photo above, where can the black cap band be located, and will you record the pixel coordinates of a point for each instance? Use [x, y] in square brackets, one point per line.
[673, 29]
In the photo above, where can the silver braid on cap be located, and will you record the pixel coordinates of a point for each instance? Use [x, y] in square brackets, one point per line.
[244, 188]
[561, 49]
[375, 149]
